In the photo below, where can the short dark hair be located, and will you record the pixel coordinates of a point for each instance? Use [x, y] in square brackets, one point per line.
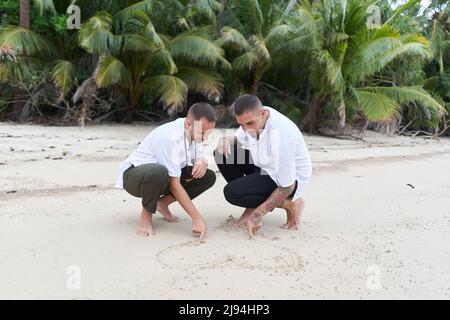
[247, 102]
[202, 110]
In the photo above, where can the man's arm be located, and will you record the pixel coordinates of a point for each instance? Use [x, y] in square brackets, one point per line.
[224, 145]
[180, 194]
[286, 177]
[275, 200]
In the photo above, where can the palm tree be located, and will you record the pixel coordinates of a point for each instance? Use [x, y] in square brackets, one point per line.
[439, 75]
[33, 54]
[19, 93]
[138, 61]
[319, 54]
[348, 60]
[253, 28]
[56, 55]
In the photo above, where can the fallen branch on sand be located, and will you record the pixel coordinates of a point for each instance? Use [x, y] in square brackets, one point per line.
[343, 134]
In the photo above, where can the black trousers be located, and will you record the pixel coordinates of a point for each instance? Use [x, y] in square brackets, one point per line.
[248, 186]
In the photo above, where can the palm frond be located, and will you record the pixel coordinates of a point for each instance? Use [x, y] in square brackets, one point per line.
[64, 76]
[45, 6]
[378, 51]
[248, 12]
[20, 70]
[356, 16]
[100, 42]
[133, 42]
[438, 36]
[111, 71]
[171, 91]
[307, 24]
[404, 95]
[149, 31]
[335, 37]
[96, 36]
[24, 41]
[260, 48]
[398, 11]
[280, 35]
[162, 63]
[124, 15]
[182, 23]
[203, 81]
[197, 49]
[377, 107]
[142, 24]
[101, 21]
[332, 69]
[297, 45]
[245, 62]
[205, 8]
[232, 38]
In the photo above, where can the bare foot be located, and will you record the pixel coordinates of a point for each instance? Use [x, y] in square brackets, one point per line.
[242, 221]
[293, 210]
[163, 208]
[145, 227]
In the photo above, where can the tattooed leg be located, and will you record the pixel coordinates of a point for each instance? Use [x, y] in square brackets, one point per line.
[275, 200]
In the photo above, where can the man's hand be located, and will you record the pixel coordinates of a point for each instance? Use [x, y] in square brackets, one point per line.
[199, 228]
[180, 194]
[275, 200]
[224, 146]
[199, 169]
[254, 223]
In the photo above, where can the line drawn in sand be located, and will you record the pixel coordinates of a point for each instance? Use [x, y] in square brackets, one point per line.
[258, 254]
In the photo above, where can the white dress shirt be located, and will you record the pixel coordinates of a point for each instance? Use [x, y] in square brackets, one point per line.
[280, 151]
[166, 145]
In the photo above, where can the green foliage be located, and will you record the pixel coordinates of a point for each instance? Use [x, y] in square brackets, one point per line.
[313, 60]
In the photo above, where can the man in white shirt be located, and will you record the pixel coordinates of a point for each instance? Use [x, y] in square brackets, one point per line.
[168, 166]
[266, 164]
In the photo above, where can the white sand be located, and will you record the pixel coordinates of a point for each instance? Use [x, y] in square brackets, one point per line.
[360, 212]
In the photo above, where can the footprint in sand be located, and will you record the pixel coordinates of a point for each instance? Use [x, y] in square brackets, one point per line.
[258, 254]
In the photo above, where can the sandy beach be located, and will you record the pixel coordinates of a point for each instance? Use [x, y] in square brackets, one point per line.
[376, 225]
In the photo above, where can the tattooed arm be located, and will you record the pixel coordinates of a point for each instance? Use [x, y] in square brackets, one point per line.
[275, 200]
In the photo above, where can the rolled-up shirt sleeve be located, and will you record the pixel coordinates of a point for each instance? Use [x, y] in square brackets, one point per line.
[242, 137]
[286, 173]
[168, 155]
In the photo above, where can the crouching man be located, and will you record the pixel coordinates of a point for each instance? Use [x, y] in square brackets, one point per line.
[266, 164]
[168, 166]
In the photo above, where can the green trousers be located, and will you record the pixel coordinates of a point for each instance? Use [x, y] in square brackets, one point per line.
[151, 181]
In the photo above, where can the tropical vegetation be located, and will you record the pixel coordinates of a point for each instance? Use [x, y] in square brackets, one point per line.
[366, 64]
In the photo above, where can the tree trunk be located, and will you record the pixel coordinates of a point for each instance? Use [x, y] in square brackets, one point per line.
[220, 17]
[25, 14]
[20, 95]
[310, 119]
[257, 76]
[341, 115]
[441, 64]
[255, 87]
[388, 127]
[20, 99]
[130, 111]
